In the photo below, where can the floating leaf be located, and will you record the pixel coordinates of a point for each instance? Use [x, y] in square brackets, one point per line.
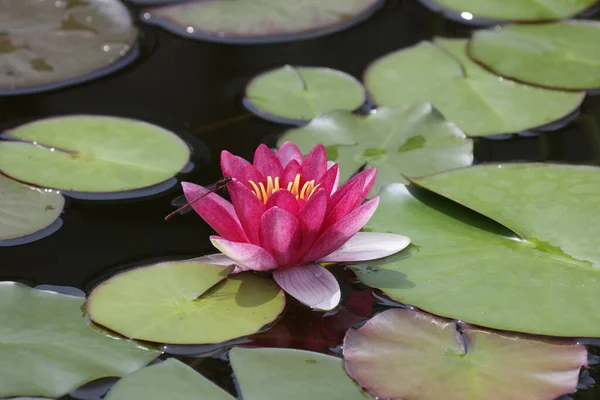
[564, 55]
[92, 154]
[171, 379]
[47, 44]
[412, 355]
[479, 102]
[266, 21]
[185, 302]
[273, 374]
[413, 141]
[515, 10]
[25, 210]
[50, 329]
[298, 94]
[462, 265]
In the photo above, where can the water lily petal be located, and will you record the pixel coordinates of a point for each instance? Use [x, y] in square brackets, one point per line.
[366, 246]
[245, 255]
[284, 200]
[311, 218]
[216, 211]
[346, 199]
[315, 163]
[289, 173]
[339, 233]
[280, 235]
[330, 179]
[354, 184]
[215, 259]
[238, 168]
[310, 284]
[248, 208]
[266, 162]
[288, 152]
[370, 177]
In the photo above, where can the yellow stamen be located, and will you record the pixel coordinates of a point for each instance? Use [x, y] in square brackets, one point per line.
[255, 189]
[263, 193]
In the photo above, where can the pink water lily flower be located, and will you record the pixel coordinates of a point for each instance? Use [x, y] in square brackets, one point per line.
[287, 214]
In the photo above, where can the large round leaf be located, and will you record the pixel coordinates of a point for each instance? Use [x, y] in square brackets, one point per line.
[479, 102]
[46, 44]
[404, 354]
[92, 154]
[516, 10]
[413, 141]
[298, 94]
[48, 348]
[185, 302]
[25, 210]
[273, 374]
[464, 266]
[564, 55]
[171, 380]
[266, 21]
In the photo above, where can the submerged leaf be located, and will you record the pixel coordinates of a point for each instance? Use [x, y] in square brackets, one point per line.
[465, 266]
[479, 102]
[405, 354]
[399, 141]
[48, 348]
[185, 302]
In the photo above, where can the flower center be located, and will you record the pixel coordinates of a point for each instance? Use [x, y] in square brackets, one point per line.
[302, 193]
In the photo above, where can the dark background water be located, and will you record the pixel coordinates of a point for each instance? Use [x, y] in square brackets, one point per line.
[195, 89]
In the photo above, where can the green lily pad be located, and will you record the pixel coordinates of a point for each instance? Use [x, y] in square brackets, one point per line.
[465, 266]
[479, 102]
[412, 355]
[171, 379]
[92, 154]
[563, 55]
[47, 44]
[265, 21]
[515, 10]
[51, 329]
[25, 210]
[270, 374]
[412, 141]
[298, 94]
[185, 302]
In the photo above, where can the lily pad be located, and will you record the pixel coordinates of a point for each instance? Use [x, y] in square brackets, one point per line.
[563, 55]
[185, 302]
[270, 374]
[47, 44]
[298, 94]
[171, 379]
[479, 102]
[412, 355]
[543, 280]
[411, 140]
[92, 154]
[25, 211]
[512, 10]
[265, 21]
[51, 329]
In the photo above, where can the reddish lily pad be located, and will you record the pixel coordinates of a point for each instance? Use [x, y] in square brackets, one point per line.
[266, 21]
[185, 302]
[407, 354]
[47, 44]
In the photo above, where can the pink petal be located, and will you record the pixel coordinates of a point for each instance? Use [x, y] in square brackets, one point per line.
[288, 152]
[345, 200]
[216, 211]
[340, 232]
[310, 284]
[215, 259]
[315, 163]
[331, 178]
[280, 235]
[248, 208]
[289, 173]
[266, 162]
[246, 255]
[370, 177]
[237, 167]
[366, 177]
[311, 219]
[284, 200]
[366, 246]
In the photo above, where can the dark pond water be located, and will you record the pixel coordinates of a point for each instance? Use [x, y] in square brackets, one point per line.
[195, 89]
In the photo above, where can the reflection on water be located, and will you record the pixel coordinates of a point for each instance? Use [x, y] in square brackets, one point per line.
[196, 88]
